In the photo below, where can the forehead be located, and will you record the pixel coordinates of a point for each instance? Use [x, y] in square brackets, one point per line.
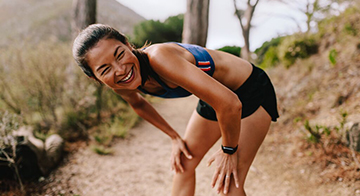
[106, 45]
[102, 51]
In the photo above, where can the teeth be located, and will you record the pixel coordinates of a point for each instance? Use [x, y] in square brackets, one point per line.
[128, 76]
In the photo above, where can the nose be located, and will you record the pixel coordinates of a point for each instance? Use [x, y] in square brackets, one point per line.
[120, 70]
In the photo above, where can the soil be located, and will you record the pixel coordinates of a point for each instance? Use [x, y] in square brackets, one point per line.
[140, 165]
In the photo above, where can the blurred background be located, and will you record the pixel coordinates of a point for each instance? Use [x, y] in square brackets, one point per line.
[310, 48]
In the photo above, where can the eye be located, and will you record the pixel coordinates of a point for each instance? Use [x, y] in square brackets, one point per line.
[107, 68]
[121, 54]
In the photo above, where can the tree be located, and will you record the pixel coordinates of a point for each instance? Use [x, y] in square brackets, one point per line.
[315, 10]
[196, 22]
[245, 17]
[84, 14]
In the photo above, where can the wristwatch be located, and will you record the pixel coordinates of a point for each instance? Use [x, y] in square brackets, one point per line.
[229, 150]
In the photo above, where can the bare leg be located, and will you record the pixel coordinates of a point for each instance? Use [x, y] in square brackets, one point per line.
[253, 131]
[200, 136]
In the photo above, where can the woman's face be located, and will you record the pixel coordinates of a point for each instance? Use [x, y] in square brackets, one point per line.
[114, 64]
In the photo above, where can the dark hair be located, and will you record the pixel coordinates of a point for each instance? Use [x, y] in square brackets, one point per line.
[91, 35]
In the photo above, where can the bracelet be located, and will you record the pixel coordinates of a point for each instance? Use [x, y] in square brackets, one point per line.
[229, 150]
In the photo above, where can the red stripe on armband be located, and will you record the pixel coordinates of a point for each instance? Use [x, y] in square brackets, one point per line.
[205, 68]
[203, 62]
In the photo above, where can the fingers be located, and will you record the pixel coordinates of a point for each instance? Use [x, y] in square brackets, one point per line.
[227, 183]
[214, 178]
[186, 152]
[178, 164]
[236, 177]
[220, 182]
[172, 160]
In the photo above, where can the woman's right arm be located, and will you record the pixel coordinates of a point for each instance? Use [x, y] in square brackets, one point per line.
[145, 110]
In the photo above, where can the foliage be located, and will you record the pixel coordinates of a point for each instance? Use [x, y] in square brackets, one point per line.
[9, 123]
[296, 46]
[101, 150]
[35, 81]
[268, 46]
[235, 50]
[116, 127]
[344, 25]
[326, 136]
[158, 32]
[270, 58]
[332, 56]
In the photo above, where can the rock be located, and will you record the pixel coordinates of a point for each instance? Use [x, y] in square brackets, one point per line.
[353, 137]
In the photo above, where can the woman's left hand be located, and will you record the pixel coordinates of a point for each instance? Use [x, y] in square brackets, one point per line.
[226, 165]
[178, 148]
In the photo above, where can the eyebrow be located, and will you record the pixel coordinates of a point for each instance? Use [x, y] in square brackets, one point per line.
[102, 66]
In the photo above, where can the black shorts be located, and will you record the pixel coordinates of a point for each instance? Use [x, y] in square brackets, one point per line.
[256, 91]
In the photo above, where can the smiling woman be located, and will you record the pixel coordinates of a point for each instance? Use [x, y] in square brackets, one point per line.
[236, 97]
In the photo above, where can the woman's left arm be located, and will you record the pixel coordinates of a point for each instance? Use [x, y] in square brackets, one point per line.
[227, 105]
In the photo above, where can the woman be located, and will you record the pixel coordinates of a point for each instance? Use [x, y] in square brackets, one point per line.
[237, 100]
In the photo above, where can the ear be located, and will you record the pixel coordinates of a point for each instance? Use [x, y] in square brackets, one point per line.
[92, 77]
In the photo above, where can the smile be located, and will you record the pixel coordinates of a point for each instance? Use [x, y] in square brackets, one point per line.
[128, 78]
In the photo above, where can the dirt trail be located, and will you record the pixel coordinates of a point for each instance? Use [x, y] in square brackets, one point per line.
[140, 166]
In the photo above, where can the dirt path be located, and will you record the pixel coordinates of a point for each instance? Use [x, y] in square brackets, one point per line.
[140, 166]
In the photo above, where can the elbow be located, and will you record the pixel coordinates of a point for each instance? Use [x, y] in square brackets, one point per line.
[232, 105]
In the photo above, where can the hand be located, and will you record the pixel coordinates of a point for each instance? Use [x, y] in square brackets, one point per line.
[225, 166]
[178, 147]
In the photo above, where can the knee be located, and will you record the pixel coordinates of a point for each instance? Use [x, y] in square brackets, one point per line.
[189, 165]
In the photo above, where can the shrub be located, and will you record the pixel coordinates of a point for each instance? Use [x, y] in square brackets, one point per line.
[158, 32]
[8, 145]
[264, 49]
[270, 58]
[332, 56]
[296, 46]
[235, 50]
[41, 83]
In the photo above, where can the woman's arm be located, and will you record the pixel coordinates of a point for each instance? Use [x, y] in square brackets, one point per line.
[174, 68]
[145, 110]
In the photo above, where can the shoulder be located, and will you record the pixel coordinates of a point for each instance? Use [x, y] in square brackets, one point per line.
[167, 53]
[157, 50]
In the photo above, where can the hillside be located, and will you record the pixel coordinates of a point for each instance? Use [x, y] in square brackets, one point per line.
[326, 94]
[38, 19]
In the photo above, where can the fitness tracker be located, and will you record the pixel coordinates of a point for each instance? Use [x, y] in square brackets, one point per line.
[229, 150]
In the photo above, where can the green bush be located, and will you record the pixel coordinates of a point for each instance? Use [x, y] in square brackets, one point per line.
[235, 50]
[296, 46]
[159, 32]
[270, 58]
[332, 56]
[265, 47]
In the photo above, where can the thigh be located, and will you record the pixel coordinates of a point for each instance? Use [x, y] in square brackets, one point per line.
[200, 136]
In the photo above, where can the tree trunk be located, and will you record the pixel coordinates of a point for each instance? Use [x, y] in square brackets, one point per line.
[84, 14]
[247, 16]
[196, 22]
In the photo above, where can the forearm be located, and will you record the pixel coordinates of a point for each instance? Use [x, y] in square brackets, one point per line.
[230, 122]
[146, 111]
